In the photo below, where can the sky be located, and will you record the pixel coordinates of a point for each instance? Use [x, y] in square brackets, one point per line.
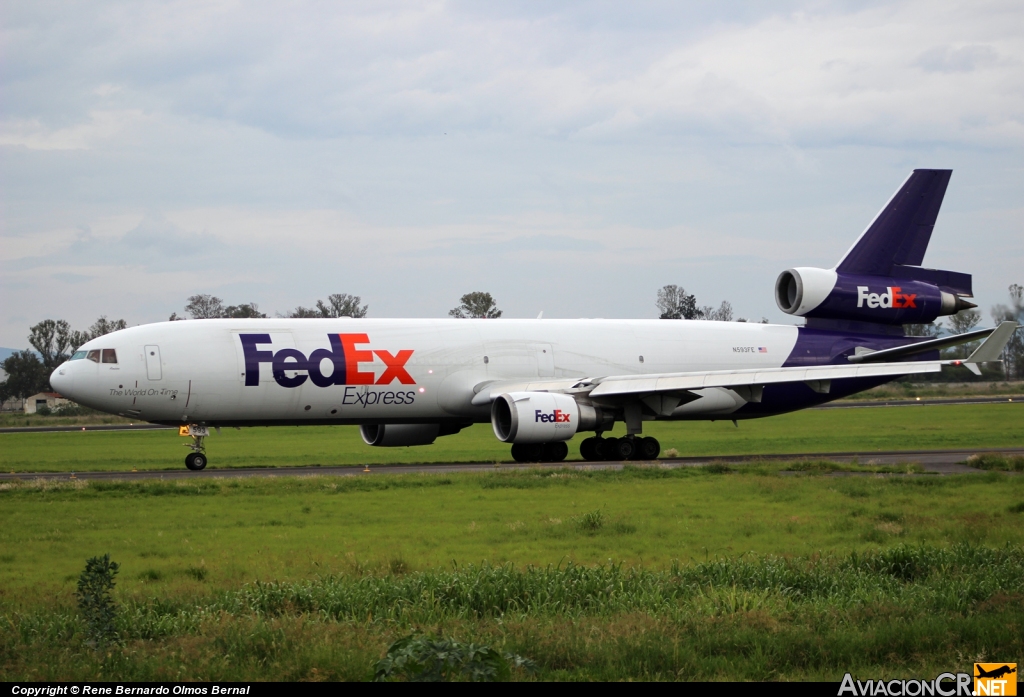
[570, 158]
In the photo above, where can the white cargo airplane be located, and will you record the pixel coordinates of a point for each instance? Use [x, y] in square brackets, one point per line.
[539, 382]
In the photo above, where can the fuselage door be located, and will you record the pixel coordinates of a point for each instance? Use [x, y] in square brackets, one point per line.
[545, 360]
[153, 369]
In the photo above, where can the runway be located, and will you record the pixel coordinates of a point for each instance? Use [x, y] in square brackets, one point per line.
[933, 461]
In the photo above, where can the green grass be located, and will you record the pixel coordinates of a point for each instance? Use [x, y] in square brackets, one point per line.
[166, 534]
[17, 419]
[838, 430]
[647, 573]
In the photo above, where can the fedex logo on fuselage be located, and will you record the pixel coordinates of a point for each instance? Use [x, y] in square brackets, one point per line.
[557, 416]
[344, 356]
[893, 297]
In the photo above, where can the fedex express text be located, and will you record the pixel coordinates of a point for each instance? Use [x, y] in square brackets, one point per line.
[346, 359]
[892, 297]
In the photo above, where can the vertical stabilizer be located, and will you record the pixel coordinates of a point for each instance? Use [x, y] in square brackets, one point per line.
[899, 234]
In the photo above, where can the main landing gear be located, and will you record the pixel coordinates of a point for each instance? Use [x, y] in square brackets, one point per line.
[195, 460]
[540, 452]
[594, 448]
[627, 448]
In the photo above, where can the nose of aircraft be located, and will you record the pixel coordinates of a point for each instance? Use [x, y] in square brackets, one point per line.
[62, 380]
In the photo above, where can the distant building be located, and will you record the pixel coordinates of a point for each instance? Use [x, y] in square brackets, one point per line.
[50, 400]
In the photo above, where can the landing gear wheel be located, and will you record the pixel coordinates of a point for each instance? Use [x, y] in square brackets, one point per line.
[528, 452]
[648, 448]
[624, 449]
[588, 449]
[606, 448]
[195, 461]
[555, 452]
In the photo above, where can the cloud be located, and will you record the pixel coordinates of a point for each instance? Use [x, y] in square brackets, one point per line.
[412, 152]
[100, 128]
[315, 70]
[945, 59]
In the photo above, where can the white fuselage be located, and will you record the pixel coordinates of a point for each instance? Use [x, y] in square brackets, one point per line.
[197, 371]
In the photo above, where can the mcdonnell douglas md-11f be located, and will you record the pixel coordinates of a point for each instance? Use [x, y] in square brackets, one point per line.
[540, 382]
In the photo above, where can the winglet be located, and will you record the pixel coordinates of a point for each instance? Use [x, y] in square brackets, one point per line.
[993, 346]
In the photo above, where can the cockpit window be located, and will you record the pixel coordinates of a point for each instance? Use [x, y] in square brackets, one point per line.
[109, 356]
[77, 356]
[93, 356]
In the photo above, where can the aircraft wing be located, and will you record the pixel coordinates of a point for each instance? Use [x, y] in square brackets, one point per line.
[748, 383]
[816, 377]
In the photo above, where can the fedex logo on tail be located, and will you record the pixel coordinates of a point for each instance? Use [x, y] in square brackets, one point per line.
[557, 416]
[344, 368]
[893, 297]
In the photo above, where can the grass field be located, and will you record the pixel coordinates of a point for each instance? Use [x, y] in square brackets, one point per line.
[646, 573]
[643, 573]
[839, 430]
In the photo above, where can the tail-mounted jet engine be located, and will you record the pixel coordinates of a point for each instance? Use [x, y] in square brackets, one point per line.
[540, 417]
[397, 435]
[910, 299]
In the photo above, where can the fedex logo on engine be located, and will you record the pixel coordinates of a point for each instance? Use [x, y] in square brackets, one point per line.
[344, 358]
[557, 416]
[893, 297]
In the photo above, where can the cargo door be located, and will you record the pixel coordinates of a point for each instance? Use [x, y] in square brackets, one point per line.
[154, 371]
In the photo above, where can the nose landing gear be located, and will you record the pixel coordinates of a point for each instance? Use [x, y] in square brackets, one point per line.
[195, 460]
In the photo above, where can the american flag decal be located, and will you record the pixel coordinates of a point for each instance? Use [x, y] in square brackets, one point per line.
[762, 349]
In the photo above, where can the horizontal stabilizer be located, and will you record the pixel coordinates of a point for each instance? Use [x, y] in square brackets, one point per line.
[920, 347]
[992, 348]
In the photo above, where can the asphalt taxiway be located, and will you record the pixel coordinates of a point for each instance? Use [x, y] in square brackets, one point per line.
[932, 461]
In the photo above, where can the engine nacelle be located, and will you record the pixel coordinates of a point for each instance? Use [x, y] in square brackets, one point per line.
[539, 417]
[396, 435]
[826, 294]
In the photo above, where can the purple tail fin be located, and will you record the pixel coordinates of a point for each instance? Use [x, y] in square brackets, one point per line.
[896, 240]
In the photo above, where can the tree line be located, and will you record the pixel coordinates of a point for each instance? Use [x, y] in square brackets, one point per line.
[675, 303]
[477, 304]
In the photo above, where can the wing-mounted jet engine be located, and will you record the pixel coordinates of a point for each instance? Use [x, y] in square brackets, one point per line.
[880, 279]
[538, 424]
